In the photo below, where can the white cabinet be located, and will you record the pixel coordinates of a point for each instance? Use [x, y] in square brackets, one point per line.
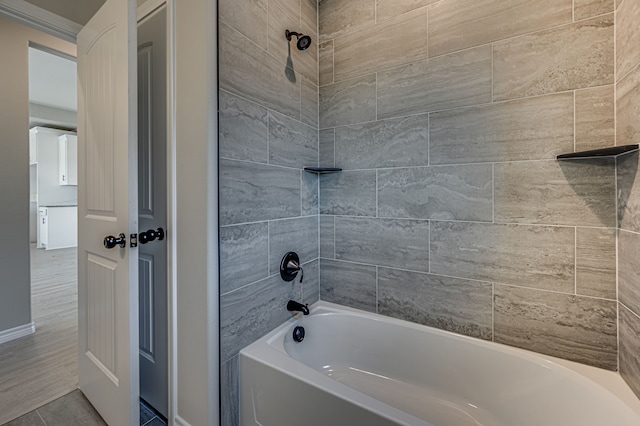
[57, 227]
[68, 160]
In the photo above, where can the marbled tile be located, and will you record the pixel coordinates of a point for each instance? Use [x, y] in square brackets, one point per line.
[527, 129]
[252, 311]
[290, 7]
[385, 143]
[309, 17]
[299, 235]
[629, 270]
[311, 282]
[381, 46]
[348, 193]
[252, 192]
[30, 419]
[325, 66]
[72, 409]
[309, 109]
[627, 37]
[243, 129]
[251, 72]
[310, 203]
[583, 9]
[451, 304]
[595, 118]
[386, 9]
[449, 81]
[596, 262]
[530, 256]
[348, 102]
[229, 395]
[337, 17]
[569, 57]
[303, 63]
[398, 243]
[243, 255]
[628, 192]
[247, 16]
[441, 192]
[327, 237]
[576, 193]
[348, 284]
[628, 108]
[327, 147]
[292, 143]
[458, 24]
[630, 348]
[580, 329]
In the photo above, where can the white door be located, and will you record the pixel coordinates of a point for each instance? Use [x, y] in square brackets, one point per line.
[108, 205]
[152, 204]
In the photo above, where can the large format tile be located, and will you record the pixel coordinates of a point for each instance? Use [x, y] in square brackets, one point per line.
[292, 143]
[310, 203]
[628, 187]
[243, 129]
[452, 304]
[289, 7]
[386, 9]
[30, 419]
[530, 256]
[583, 9]
[71, 409]
[450, 81]
[627, 37]
[398, 243]
[247, 16]
[337, 17]
[252, 192]
[251, 72]
[628, 108]
[457, 24]
[568, 57]
[327, 237]
[630, 348]
[348, 193]
[348, 284]
[580, 329]
[596, 262]
[309, 108]
[348, 102]
[243, 255]
[230, 401]
[629, 270]
[381, 46]
[556, 192]
[595, 118]
[299, 235]
[309, 18]
[311, 282]
[441, 192]
[385, 143]
[327, 147]
[526, 129]
[325, 65]
[252, 311]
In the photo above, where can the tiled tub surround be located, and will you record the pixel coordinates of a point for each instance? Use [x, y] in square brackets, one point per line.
[452, 210]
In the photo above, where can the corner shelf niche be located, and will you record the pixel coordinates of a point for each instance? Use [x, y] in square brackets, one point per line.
[602, 152]
[322, 170]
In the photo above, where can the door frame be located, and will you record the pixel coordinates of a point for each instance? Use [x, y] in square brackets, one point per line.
[192, 405]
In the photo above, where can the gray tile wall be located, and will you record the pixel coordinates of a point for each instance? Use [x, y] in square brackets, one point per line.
[451, 210]
[268, 132]
[628, 132]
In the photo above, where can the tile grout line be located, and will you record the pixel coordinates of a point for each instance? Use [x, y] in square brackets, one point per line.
[40, 416]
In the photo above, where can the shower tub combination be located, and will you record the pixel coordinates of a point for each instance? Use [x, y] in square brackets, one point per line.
[357, 368]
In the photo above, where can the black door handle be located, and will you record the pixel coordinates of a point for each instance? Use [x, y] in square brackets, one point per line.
[151, 235]
[111, 241]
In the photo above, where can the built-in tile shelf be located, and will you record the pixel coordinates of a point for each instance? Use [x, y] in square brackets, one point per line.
[322, 170]
[602, 152]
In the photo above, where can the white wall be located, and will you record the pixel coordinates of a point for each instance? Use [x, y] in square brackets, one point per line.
[15, 292]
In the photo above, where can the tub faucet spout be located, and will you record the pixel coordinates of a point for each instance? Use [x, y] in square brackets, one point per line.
[294, 306]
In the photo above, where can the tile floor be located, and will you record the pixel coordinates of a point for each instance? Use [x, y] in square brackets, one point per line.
[74, 409]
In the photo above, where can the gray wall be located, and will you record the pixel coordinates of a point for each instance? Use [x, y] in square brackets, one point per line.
[628, 132]
[268, 132]
[451, 210]
[15, 294]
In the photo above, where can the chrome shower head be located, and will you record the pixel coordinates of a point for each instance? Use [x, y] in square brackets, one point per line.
[304, 41]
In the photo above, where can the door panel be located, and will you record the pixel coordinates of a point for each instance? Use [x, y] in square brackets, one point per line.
[107, 205]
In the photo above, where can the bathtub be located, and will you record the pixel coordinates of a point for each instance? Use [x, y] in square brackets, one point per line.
[360, 369]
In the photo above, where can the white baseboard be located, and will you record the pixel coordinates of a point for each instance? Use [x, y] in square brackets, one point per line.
[17, 332]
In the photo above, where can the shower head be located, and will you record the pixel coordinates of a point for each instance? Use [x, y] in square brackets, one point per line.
[304, 41]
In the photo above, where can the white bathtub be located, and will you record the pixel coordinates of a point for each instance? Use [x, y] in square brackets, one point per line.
[360, 369]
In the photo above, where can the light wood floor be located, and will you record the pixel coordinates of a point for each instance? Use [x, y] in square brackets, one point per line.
[39, 368]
